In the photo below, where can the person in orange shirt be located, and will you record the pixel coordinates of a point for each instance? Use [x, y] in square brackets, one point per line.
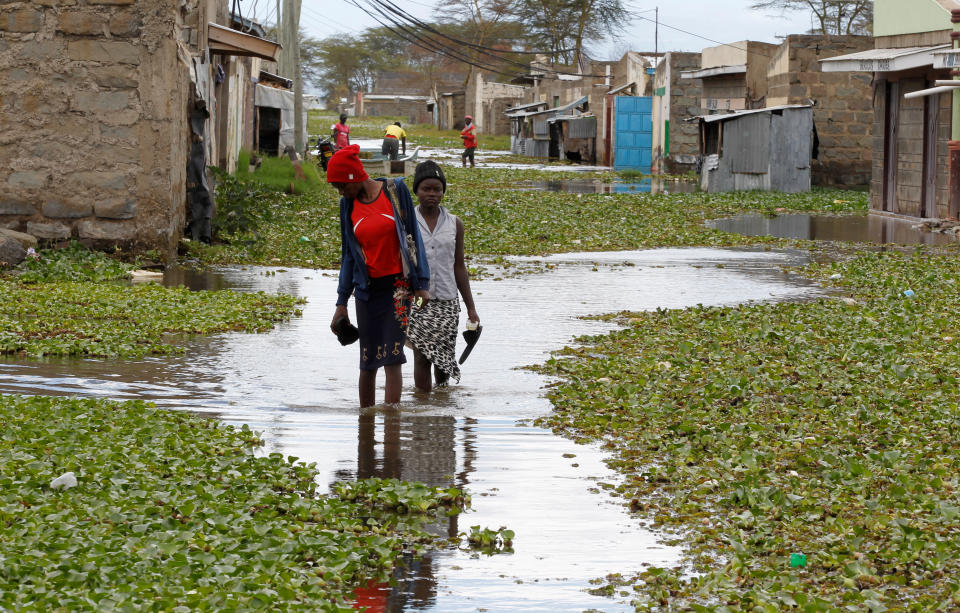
[469, 136]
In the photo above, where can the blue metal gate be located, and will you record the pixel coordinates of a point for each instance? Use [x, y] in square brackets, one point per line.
[633, 133]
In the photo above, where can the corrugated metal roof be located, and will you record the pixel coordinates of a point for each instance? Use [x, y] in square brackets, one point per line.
[617, 90]
[561, 109]
[736, 114]
[521, 107]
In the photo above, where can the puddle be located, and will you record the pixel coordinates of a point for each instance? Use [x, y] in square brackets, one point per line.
[648, 186]
[297, 386]
[856, 228]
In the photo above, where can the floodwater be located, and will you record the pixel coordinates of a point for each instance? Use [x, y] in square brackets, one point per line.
[648, 185]
[855, 228]
[297, 386]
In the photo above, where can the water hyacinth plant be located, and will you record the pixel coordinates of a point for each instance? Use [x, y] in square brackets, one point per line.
[171, 512]
[761, 433]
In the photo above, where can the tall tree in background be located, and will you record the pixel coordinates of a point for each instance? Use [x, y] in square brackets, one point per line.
[481, 18]
[566, 27]
[834, 16]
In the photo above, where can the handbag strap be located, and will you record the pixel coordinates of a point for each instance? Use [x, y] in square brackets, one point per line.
[394, 199]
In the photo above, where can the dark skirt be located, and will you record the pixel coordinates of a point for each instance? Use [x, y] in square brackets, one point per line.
[382, 321]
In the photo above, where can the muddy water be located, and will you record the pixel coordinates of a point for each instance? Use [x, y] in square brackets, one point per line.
[854, 228]
[298, 387]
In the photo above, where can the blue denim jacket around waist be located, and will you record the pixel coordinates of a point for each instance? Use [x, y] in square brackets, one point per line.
[354, 278]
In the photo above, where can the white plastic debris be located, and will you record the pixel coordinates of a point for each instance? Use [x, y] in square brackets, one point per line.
[65, 481]
[849, 300]
[836, 275]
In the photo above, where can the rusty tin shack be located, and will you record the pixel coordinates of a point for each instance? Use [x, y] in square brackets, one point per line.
[764, 149]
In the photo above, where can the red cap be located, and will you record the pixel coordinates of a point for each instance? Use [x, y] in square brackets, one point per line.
[469, 117]
[345, 166]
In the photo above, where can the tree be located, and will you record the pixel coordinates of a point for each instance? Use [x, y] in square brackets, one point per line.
[481, 17]
[834, 16]
[565, 27]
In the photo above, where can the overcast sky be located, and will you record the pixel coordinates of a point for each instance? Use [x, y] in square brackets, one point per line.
[708, 22]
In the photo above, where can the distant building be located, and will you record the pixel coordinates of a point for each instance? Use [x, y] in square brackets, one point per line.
[910, 155]
[733, 77]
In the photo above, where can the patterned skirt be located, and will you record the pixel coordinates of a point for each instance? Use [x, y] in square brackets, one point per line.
[382, 322]
[433, 332]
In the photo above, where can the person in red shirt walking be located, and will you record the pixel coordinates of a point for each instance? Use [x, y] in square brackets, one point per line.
[372, 272]
[341, 133]
[469, 136]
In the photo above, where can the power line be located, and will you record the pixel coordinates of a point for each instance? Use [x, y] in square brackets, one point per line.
[427, 44]
[704, 37]
[392, 8]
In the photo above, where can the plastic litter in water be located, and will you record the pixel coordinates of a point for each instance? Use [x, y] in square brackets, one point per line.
[798, 560]
[304, 239]
[909, 293]
[65, 481]
[836, 275]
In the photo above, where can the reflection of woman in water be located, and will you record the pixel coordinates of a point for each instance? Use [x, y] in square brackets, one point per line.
[433, 329]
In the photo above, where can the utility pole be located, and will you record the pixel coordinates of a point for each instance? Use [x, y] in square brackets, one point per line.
[298, 126]
[656, 27]
[288, 32]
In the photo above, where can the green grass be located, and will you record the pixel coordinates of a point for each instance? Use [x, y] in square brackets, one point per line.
[278, 173]
[173, 512]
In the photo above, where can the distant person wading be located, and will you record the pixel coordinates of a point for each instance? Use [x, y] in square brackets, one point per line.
[469, 136]
[393, 138]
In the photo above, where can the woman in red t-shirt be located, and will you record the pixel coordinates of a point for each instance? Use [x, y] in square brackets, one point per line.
[372, 271]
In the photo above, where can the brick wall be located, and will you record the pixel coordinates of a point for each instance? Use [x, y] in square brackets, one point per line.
[93, 115]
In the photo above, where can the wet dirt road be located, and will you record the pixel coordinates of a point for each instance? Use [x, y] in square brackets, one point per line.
[297, 386]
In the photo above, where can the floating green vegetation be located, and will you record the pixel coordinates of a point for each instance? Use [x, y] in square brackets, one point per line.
[57, 304]
[825, 429]
[273, 228]
[72, 263]
[174, 512]
[112, 320]
[489, 541]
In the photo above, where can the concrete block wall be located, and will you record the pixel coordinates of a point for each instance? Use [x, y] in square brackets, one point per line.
[93, 116]
[843, 111]
[676, 142]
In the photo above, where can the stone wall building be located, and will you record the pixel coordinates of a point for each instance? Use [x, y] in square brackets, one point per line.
[95, 116]
[675, 100]
[843, 113]
[486, 102]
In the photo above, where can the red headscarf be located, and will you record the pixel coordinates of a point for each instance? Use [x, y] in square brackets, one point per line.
[345, 166]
